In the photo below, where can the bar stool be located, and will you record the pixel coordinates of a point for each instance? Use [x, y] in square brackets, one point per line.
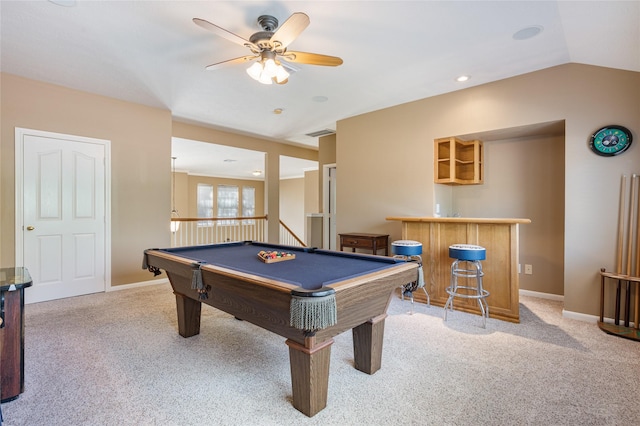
[410, 251]
[467, 265]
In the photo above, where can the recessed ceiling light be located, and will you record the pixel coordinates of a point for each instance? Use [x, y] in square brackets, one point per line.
[528, 32]
[229, 160]
[319, 99]
[463, 78]
[278, 111]
[257, 172]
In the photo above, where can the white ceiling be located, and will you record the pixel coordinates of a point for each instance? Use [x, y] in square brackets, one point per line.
[150, 52]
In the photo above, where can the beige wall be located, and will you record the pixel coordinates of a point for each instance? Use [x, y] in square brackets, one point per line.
[524, 178]
[181, 196]
[292, 205]
[327, 155]
[218, 137]
[140, 164]
[398, 143]
[311, 192]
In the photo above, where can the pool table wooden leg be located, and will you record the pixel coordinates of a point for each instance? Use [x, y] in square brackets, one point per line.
[367, 344]
[188, 315]
[310, 375]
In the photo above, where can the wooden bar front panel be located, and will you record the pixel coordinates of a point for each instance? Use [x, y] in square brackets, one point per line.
[500, 267]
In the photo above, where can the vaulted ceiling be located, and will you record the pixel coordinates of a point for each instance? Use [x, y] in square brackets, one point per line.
[152, 53]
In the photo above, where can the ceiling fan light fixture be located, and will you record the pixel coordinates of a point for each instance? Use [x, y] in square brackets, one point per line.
[265, 79]
[281, 74]
[267, 70]
[270, 67]
[255, 70]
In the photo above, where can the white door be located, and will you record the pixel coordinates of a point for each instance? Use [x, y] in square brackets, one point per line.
[64, 220]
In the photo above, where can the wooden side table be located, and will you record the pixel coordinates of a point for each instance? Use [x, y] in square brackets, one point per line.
[13, 281]
[373, 242]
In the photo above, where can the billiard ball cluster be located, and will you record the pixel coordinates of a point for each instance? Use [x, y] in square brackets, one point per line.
[273, 254]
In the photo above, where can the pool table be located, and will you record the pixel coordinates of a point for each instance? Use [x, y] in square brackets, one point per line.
[308, 300]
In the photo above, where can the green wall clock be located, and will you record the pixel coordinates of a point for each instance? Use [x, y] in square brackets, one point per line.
[610, 140]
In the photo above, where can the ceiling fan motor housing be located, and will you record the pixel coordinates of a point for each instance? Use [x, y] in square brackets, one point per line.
[262, 39]
[268, 23]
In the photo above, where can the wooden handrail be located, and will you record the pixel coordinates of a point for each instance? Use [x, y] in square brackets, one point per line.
[293, 234]
[198, 219]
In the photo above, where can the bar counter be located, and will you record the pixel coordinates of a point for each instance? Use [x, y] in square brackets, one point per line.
[498, 235]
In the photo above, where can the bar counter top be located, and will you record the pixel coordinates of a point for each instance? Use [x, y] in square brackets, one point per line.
[460, 219]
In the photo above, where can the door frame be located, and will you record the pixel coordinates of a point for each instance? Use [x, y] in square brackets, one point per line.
[329, 238]
[19, 192]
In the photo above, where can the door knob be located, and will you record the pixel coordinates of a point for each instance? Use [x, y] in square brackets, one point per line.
[30, 228]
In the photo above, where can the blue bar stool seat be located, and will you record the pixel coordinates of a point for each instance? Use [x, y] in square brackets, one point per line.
[467, 265]
[411, 251]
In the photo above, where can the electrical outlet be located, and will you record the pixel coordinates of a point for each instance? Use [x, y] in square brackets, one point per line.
[528, 269]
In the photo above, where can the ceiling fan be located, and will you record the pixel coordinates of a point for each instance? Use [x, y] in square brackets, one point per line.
[269, 46]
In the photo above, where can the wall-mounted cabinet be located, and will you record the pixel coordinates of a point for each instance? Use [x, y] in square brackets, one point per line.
[458, 162]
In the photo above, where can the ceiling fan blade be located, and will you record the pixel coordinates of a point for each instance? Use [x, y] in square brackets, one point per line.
[233, 61]
[223, 33]
[291, 29]
[312, 59]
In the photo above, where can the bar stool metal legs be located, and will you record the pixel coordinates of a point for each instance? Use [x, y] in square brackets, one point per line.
[410, 251]
[467, 266]
[408, 289]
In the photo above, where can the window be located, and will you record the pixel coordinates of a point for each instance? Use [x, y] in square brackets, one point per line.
[248, 201]
[227, 203]
[205, 200]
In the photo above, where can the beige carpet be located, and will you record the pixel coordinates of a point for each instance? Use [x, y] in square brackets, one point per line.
[117, 359]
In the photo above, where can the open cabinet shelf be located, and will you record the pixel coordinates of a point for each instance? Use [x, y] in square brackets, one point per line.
[458, 162]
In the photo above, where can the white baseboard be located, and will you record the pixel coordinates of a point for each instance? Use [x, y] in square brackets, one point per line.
[539, 295]
[565, 314]
[137, 285]
[580, 316]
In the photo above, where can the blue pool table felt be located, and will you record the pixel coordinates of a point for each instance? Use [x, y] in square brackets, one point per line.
[311, 269]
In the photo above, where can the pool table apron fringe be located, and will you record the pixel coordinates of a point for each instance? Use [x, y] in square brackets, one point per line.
[196, 276]
[196, 281]
[313, 313]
